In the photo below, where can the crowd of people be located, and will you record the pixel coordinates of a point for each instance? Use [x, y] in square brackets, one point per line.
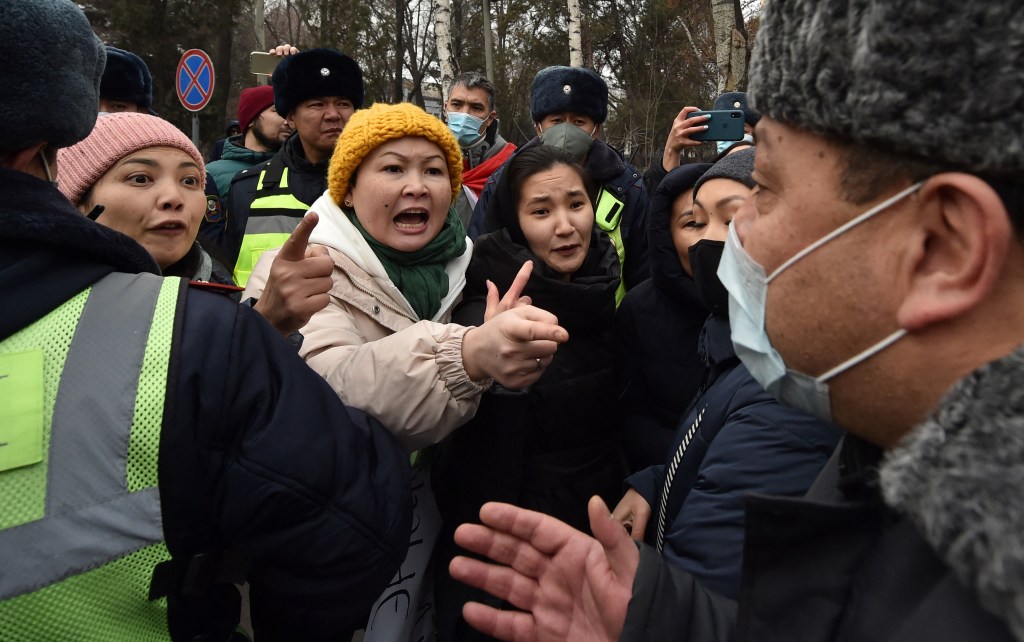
[370, 369]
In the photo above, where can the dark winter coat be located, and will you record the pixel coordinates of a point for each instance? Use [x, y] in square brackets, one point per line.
[306, 182]
[257, 453]
[200, 267]
[658, 324]
[234, 158]
[609, 171]
[741, 442]
[840, 566]
[551, 447]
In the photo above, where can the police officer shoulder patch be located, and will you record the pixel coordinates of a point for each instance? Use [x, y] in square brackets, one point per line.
[214, 209]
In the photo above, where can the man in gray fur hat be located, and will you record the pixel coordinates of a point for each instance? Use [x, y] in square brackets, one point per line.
[875, 277]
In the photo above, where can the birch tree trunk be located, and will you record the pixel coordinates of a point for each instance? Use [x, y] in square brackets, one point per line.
[730, 45]
[443, 36]
[398, 90]
[575, 37]
[488, 41]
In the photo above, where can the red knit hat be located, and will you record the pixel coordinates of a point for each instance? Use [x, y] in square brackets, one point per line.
[251, 104]
[114, 137]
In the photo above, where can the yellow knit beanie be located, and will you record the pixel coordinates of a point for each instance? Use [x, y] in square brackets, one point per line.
[369, 128]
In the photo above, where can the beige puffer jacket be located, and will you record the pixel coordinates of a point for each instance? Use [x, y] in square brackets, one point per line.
[370, 346]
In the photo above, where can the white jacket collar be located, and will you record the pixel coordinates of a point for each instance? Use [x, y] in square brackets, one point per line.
[336, 231]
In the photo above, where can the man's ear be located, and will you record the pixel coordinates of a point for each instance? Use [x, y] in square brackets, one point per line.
[597, 132]
[960, 253]
[536, 128]
[23, 160]
[491, 119]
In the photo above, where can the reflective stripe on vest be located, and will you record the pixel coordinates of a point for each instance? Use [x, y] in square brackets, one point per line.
[273, 216]
[262, 233]
[81, 530]
[608, 216]
[275, 195]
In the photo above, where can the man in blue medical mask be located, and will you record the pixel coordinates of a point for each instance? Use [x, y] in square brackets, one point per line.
[472, 114]
[568, 106]
[879, 273]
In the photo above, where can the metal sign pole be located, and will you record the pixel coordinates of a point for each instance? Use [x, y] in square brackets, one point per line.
[195, 129]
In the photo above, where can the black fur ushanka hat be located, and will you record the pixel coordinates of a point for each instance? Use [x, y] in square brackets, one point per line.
[316, 73]
[575, 89]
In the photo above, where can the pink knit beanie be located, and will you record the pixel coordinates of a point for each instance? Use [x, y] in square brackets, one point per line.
[114, 137]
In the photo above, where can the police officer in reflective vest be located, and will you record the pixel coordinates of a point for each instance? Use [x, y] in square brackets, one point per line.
[568, 106]
[316, 91]
[159, 444]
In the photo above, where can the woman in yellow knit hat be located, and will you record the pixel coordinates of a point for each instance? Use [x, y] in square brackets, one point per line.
[384, 342]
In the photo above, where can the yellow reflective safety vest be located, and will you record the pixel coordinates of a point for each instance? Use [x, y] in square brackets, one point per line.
[81, 407]
[608, 216]
[273, 216]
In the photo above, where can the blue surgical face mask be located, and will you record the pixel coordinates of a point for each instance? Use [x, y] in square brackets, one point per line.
[465, 127]
[747, 284]
[723, 145]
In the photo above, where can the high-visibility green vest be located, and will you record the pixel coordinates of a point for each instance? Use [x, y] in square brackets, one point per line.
[81, 406]
[608, 216]
[273, 216]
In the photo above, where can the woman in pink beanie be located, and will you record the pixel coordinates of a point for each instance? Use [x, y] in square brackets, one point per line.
[140, 175]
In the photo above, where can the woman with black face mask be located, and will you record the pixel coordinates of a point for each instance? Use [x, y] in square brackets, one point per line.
[735, 439]
[657, 326]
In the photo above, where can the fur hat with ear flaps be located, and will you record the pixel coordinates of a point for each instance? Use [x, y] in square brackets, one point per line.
[576, 89]
[938, 79]
[126, 77]
[316, 73]
[51, 75]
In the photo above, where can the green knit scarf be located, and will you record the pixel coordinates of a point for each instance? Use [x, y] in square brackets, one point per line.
[420, 275]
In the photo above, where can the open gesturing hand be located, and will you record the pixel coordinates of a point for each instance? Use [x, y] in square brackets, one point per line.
[568, 585]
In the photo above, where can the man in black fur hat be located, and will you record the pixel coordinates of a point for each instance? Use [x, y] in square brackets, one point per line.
[876, 278]
[316, 91]
[568, 106]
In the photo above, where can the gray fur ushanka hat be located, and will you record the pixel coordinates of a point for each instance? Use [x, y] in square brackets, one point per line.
[51, 77]
[938, 79]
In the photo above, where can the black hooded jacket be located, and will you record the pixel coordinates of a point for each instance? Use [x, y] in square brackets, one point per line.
[658, 326]
[257, 454]
[548, 448]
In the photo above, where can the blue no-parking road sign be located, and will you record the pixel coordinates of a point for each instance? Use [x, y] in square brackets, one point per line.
[194, 79]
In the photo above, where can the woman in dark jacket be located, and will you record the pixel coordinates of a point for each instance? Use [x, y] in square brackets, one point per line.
[736, 439]
[657, 327]
[553, 446]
